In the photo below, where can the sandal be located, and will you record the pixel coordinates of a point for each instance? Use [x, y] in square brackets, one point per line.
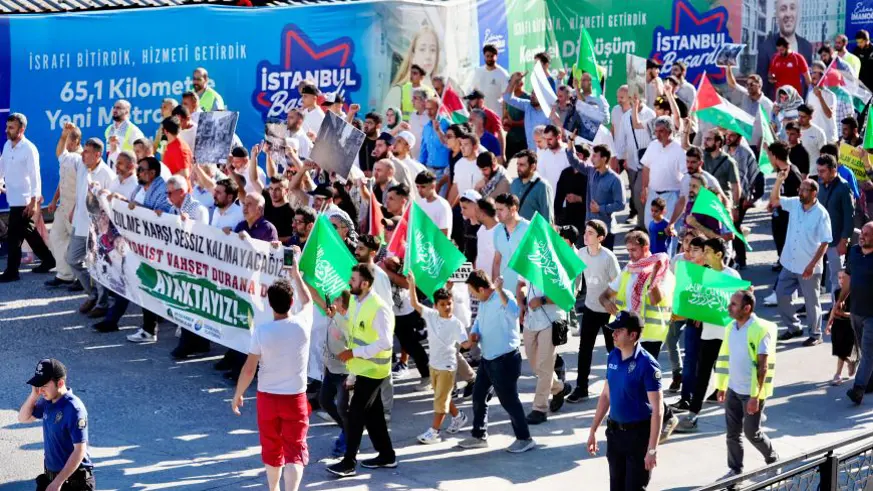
[838, 380]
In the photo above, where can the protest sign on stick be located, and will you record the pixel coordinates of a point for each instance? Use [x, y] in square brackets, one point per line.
[215, 130]
[336, 145]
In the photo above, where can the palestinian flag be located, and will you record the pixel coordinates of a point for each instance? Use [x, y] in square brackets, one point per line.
[710, 107]
[452, 107]
[845, 85]
[376, 228]
[397, 246]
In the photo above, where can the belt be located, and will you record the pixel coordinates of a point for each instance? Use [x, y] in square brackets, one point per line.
[667, 191]
[80, 473]
[616, 426]
[504, 355]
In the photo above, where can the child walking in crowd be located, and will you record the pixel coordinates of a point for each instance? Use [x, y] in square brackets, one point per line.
[658, 235]
[444, 333]
[842, 335]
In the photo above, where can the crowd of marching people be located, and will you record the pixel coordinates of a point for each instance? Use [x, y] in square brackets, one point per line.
[482, 183]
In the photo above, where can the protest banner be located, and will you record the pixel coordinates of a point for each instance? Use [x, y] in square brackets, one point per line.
[215, 130]
[849, 157]
[192, 274]
[548, 263]
[462, 273]
[336, 145]
[703, 294]
[430, 255]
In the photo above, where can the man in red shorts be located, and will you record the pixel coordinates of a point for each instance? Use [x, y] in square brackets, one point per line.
[282, 349]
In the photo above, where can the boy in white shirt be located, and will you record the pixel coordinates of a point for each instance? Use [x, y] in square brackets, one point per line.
[444, 333]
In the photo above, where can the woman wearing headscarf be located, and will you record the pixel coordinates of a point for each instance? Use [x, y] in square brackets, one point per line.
[785, 109]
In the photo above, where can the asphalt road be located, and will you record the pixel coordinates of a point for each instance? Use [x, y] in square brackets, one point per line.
[160, 424]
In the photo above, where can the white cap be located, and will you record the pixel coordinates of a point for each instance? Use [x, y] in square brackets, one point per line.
[408, 136]
[471, 195]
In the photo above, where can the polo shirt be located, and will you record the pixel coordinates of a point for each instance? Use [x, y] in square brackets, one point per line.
[178, 156]
[64, 424]
[260, 230]
[859, 267]
[630, 381]
[807, 230]
[497, 325]
[788, 70]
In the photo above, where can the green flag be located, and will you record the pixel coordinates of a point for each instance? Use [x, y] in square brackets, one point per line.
[707, 203]
[767, 138]
[430, 255]
[326, 263]
[703, 294]
[868, 131]
[548, 263]
[586, 62]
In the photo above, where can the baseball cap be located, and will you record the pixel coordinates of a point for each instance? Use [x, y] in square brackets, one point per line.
[471, 195]
[309, 89]
[386, 137]
[408, 137]
[474, 94]
[627, 320]
[332, 98]
[46, 371]
[322, 190]
[653, 63]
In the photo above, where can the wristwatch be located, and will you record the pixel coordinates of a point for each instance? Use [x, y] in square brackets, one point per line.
[653, 452]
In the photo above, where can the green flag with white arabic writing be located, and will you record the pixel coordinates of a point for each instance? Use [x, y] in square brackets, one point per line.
[707, 203]
[326, 263]
[548, 263]
[430, 255]
[586, 61]
[766, 139]
[703, 294]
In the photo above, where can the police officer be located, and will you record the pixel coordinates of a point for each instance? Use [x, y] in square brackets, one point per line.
[632, 396]
[64, 429]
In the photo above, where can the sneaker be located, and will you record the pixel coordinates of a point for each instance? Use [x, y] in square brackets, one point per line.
[558, 399]
[731, 474]
[105, 326]
[771, 300]
[856, 394]
[339, 445]
[682, 406]
[713, 398]
[785, 336]
[473, 442]
[579, 394]
[424, 385]
[9, 278]
[812, 342]
[687, 424]
[521, 446]
[142, 337]
[399, 370]
[675, 385]
[457, 423]
[429, 437]
[380, 462]
[43, 268]
[343, 468]
[668, 428]
[536, 417]
[56, 282]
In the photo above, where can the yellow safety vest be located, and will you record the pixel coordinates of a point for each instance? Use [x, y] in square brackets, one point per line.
[406, 106]
[361, 333]
[211, 100]
[754, 335]
[126, 143]
[656, 318]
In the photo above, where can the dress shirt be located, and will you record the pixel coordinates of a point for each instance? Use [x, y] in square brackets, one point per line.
[67, 183]
[807, 230]
[102, 175]
[124, 187]
[550, 164]
[497, 326]
[19, 166]
[383, 324]
[193, 208]
[533, 117]
[433, 153]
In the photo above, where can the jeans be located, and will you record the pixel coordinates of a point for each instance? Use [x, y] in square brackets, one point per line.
[117, 309]
[626, 454]
[689, 370]
[673, 335]
[501, 373]
[789, 283]
[835, 265]
[406, 329]
[863, 327]
[592, 323]
[334, 397]
[709, 349]
[635, 184]
[76, 259]
[365, 411]
[739, 421]
[20, 229]
[739, 247]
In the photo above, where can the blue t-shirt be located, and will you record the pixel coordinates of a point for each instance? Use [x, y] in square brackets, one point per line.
[629, 381]
[491, 143]
[658, 236]
[64, 424]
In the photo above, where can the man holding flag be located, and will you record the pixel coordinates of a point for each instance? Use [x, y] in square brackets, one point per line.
[534, 114]
[823, 103]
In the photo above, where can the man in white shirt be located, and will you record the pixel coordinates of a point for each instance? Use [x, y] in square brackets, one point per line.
[69, 151]
[405, 166]
[663, 168]
[90, 171]
[417, 119]
[187, 126]
[467, 173]
[686, 92]
[491, 79]
[616, 119]
[121, 133]
[312, 114]
[280, 349]
[552, 160]
[295, 132]
[436, 207]
[228, 213]
[635, 137]
[812, 137]
[125, 175]
[823, 103]
[486, 215]
[19, 167]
